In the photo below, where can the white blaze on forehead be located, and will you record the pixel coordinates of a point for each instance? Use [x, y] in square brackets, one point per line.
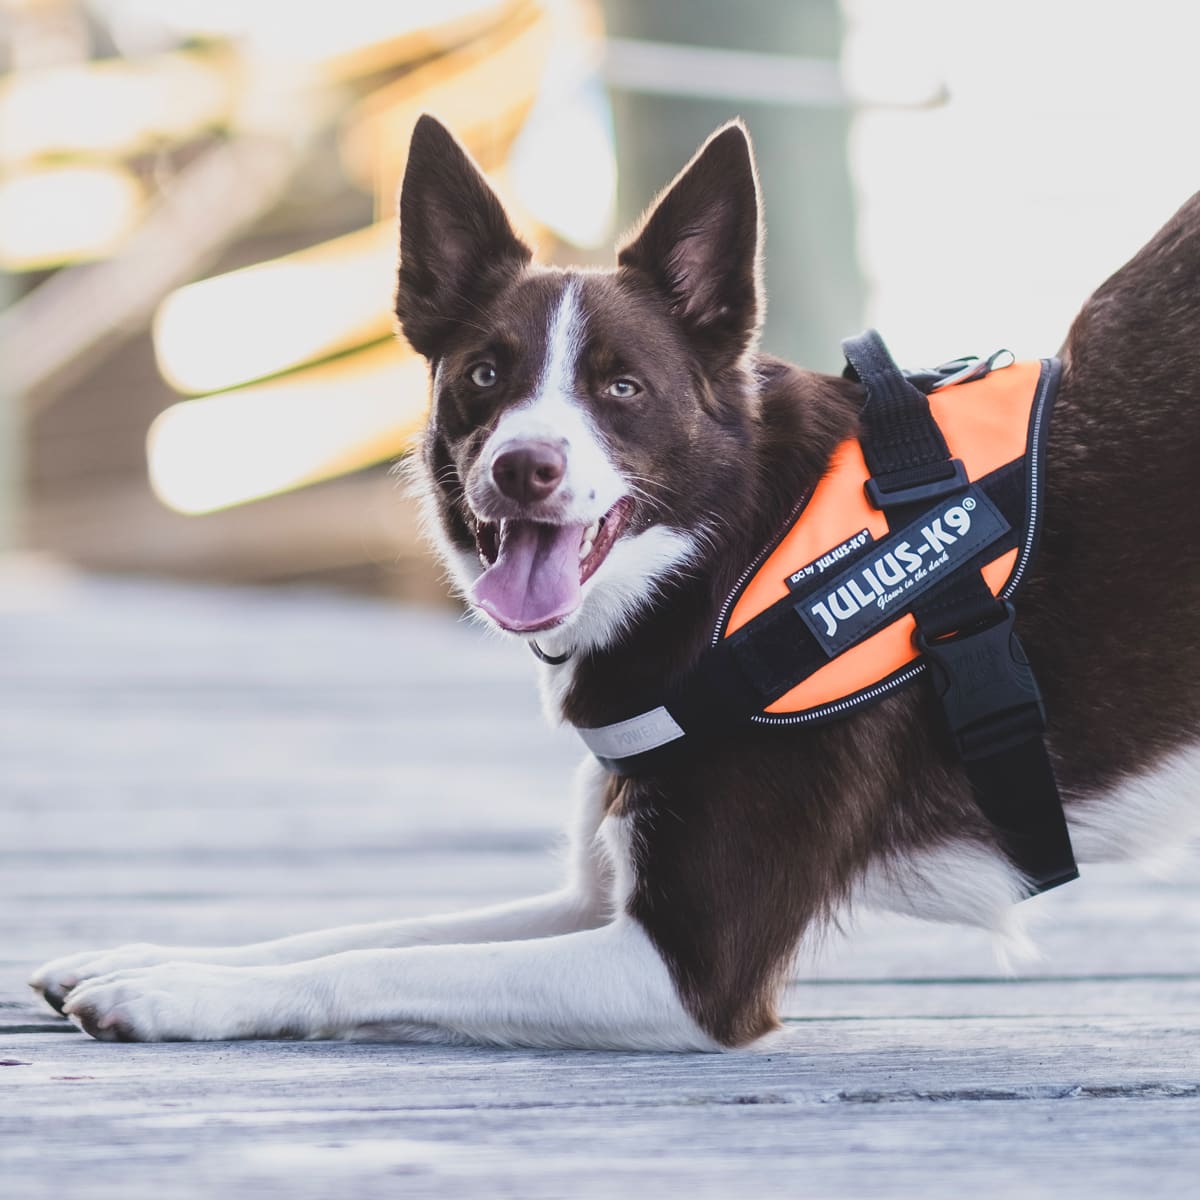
[592, 484]
[562, 346]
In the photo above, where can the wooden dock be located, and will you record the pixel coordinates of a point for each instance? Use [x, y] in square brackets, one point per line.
[190, 765]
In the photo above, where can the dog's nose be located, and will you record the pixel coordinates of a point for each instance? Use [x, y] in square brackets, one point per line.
[528, 471]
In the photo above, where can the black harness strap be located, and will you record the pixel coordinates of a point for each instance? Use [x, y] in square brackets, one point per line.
[900, 439]
[991, 701]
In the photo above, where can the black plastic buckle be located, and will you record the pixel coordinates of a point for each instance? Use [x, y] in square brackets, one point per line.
[991, 699]
[899, 487]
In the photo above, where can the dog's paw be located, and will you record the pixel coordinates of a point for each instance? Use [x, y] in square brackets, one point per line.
[178, 1002]
[55, 979]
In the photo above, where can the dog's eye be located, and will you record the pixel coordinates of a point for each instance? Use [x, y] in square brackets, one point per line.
[483, 375]
[623, 389]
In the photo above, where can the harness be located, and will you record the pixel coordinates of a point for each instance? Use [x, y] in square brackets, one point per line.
[900, 563]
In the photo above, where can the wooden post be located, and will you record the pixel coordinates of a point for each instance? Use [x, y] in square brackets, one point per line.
[11, 438]
[775, 65]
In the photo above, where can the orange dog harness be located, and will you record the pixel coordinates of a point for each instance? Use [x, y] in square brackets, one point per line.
[901, 562]
[992, 425]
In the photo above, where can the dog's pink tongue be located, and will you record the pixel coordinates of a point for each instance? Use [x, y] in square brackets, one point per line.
[534, 581]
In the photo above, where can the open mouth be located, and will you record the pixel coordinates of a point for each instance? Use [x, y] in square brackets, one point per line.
[534, 572]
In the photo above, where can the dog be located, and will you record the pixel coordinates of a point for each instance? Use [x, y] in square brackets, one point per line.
[606, 451]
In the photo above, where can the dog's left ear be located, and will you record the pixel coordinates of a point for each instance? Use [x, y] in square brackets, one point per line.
[456, 243]
[699, 245]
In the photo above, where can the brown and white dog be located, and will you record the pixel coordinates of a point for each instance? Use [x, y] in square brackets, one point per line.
[607, 451]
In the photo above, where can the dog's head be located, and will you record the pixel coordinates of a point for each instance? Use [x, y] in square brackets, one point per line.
[584, 424]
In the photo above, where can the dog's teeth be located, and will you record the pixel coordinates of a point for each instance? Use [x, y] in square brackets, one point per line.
[593, 531]
[585, 549]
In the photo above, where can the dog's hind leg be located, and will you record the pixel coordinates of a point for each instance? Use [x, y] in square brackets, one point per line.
[584, 902]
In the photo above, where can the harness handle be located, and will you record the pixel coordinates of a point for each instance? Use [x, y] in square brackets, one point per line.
[898, 432]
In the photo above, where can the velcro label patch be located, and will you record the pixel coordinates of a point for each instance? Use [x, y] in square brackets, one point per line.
[830, 559]
[850, 606]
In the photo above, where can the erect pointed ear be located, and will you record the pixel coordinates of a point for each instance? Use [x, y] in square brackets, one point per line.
[699, 245]
[456, 243]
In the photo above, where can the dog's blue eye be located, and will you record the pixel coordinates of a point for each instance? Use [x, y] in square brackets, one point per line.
[623, 388]
[483, 375]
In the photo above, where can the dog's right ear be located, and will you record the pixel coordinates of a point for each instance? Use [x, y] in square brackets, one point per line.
[699, 246]
[456, 243]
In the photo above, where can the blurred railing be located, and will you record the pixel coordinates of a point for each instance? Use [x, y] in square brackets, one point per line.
[146, 142]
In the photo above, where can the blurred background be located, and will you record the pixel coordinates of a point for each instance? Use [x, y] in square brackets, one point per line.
[198, 374]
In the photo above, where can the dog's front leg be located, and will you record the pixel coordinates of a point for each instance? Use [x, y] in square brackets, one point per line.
[584, 902]
[605, 988]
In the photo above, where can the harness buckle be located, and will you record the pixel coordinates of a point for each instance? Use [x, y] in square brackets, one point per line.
[970, 368]
[988, 692]
[915, 485]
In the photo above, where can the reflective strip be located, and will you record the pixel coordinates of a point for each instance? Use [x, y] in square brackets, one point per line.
[645, 732]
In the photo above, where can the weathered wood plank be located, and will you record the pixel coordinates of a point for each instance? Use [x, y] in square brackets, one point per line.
[810, 1062]
[895, 1150]
[891, 1110]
